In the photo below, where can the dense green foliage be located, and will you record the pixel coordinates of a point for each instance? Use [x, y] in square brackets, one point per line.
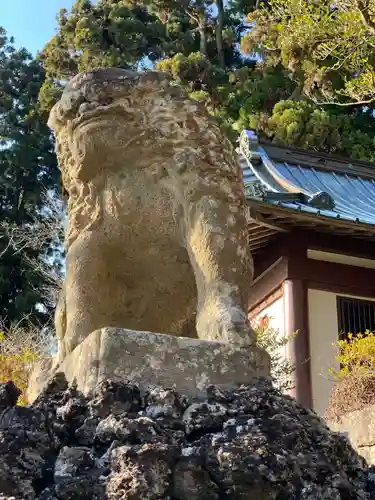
[27, 167]
[328, 129]
[327, 47]
[355, 356]
[327, 50]
[131, 34]
[290, 70]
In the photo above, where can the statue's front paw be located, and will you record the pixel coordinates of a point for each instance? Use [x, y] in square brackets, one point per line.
[226, 324]
[238, 333]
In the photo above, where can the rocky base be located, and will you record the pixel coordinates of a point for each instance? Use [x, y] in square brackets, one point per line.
[247, 443]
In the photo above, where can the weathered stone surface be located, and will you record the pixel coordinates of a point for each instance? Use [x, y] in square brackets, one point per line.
[244, 443]
[157, 236]
[360, 428]
[150, 359]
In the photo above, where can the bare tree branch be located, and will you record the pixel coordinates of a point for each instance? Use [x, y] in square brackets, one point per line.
[38, 234]
[342, 104]
[363, 9]
[25, 335]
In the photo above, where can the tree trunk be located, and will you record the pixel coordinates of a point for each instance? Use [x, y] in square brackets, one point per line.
[198, 17]
[202, 35]
[219, 33]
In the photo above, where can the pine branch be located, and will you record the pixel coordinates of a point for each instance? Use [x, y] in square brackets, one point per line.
[365, 15]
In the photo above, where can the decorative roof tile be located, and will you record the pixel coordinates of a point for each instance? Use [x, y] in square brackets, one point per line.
[308, 181]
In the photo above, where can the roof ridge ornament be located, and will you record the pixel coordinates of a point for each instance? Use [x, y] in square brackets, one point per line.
[254, 155]
[248, 145]
[322, 201]
[255, 189]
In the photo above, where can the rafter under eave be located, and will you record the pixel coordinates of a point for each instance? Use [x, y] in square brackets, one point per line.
[255, 217]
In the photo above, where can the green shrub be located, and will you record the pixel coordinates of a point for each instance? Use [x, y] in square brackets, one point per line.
[355, 377]
[272, 342]
[355, 355]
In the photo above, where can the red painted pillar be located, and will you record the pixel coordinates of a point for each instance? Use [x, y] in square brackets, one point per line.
[297, 319]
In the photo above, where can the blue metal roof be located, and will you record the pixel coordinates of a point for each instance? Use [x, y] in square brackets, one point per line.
[352, 196]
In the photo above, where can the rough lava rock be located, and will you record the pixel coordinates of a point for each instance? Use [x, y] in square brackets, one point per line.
[9, 394]
[247, 443]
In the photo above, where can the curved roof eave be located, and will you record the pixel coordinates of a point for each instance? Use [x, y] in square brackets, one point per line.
[352, 197]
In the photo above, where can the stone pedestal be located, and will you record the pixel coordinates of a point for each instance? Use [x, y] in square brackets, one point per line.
[154, 360]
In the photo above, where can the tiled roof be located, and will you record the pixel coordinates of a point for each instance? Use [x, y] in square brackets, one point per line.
[308, 182]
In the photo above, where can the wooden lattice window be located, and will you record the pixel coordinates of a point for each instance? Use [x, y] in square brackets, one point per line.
[355, 316]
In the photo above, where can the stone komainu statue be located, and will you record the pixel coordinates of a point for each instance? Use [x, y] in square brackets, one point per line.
[156, 238]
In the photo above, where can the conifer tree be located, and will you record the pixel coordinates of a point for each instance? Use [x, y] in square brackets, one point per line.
[298, 77]
[27, 169]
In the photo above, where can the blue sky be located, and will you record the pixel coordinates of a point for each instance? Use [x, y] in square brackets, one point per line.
[31, 22]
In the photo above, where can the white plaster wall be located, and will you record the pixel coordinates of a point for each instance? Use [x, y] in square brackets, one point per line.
[337, 258]
[323, 325]
[275, 312]
[323, 330]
